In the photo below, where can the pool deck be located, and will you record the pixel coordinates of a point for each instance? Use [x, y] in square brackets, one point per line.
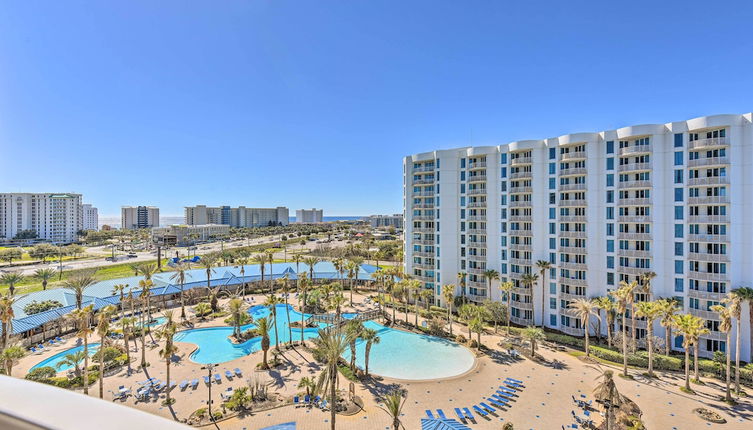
[544, 404]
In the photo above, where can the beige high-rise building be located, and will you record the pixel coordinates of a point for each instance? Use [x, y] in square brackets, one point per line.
[136, 217]
[309, 216]
[57, 217]
[236, 217]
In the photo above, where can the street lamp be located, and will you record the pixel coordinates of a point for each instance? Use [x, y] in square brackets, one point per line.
[209, 368]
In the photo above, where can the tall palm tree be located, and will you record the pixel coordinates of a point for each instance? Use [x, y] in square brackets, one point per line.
[303, 287]
[237, 307]
[584, 309]
[271, 259]
[6, 316]
[621, 299]
[271, 303]
[180, 275]
[44, 275]
[81, 316]
[668, 310]
[354, 330]
[462, 276]
[146, 292]
[689, 326]
[262, 326]
[73, 360]
[147, 270]
[529, 280]
[490, 275]
[371, 337]
[11, 279]
[606, 393]
[604, 303]
[632, 287]
[543, 266]
[507, 287]
[167, 333]
[78, 283]
[329, 347]
[103, 327]
[534, 336]
[646, 279]
[467, 312]
[283, 282]
[311, 262]
[735, 304]
[448, 294]
[207, 262]
[725, 326]
[119, 289]
[651, 311]
[242, 262]
[351, 267]
[393, 405]
[746, 294]
[126, 327]
[297, 259]
[10, 356]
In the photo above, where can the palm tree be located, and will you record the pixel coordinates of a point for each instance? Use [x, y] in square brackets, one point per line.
[78, 283]
[303, 287]
[604, 303]
[491, 275]
[146, 292]
[461, 281]
[529, 280]
[311, 262]
[746, 294]
[81, 316]
[11, 279]
[339, 265]
[271, 258]
[393, 405]
[207, 262]
[262, 326]
[329, 347]
[181, 272]
[476, 325]
[668, 310]
[607, 394]
[584, 309]
[308, 384]
[371, 337]
[646, 279]
[507, 287]
[543, 266]
[236, 306]
[534, 335]
[167, 333]
[271, 303]
[103, 327]
[119, 289]
[352, 266]
[448, 294]
[725, 326]
[651, 311]
[147, 270]
[621, 298]
[74, 360]
[690, 327]
[353, 330]
[242, 262]
[467, 313]
[284, 289]
[632, 287]
[737, 297]
[6, 316]
[126, 326]
[10, 357]
[45, 275]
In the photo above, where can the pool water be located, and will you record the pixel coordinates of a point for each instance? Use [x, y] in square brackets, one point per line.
[400, 354]
[157, 321]
[57, 358]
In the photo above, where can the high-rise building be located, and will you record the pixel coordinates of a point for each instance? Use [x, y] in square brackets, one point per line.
[236, 217]
[309, 216]
[54, 217]
[136, 217]
[187, 234]
[661, 204]
[91, 217]
[377, 221]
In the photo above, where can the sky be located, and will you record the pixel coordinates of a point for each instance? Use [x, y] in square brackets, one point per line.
[315, 103]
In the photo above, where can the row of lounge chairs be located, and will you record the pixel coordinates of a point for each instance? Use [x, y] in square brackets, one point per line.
[40, 348]
[308, 401]
[499, 400]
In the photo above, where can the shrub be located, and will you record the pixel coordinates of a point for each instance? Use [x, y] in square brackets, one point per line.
[110, 354]
[41, 374]
[36, 307]
[347, 373]
[59, 381]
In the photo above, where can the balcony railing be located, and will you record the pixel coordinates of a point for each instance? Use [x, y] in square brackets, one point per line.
[477, 165]
[573, 171]
[573, 202]
[428, 205]
[476, 231]
[476, 270]
[423, 241]
[423, 217]
[634, 184]
[423, 229]
[645, 201]
[708, 219]
[636, 253]
[708, 180]
[707, 315]
[521, 247]
[477, 245]
[424, 265]
[521, 175]
[423, 193]
[477, 204]
[703, 256]
[521, 261]
[630, 167]
[477, 178]
[635, 149]
[573, 234]
[708, 161]
[573, 281]
[424, 168]
[633, 270]
[575, 155]
[477, 218]
[477, 284]
[521, 218]
[572, 187]
[477, 257]
[707, 295]
[708, 200]
[572, 265]
[521, 160]
[423, 181]
[573, 249]
[423, 254]
[571, 330]
[712, 238]
[478, 298]
[634, 218]
[713, 142]
[520, 190]
[477, 191]
[521, 204]
[634, 236]
[572, 218]
[521, 232]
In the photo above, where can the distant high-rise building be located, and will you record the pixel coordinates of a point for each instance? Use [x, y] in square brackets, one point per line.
[91, 217]
[135, 217]
[57, 217]
[309, 216]
[236, 217]
[377, 221]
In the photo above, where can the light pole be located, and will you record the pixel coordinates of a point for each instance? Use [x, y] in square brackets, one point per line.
[210, 367]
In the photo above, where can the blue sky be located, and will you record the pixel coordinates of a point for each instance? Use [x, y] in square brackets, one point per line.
[314, 103]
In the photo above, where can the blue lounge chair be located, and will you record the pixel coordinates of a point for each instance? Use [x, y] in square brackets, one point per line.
[58, 339]
[480, 411]
[429, 414]
[217, 378]
[296, 401]
[468, 414]
[441, 414]
[504, 395]
[500, 399]
[183, 384]
[195, 384]
[307, 399]
[506, 390]
[238, 372]
[459, 413]
[487, 407]
[32, 349]
[228, 375]
[514, 380]
[514, 386]
[317, 399]
[51, 342]
[206, 380]
[323, 405]
[495, 403]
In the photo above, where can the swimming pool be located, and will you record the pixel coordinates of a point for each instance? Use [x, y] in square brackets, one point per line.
[157, 321]
[57, 358]
[400, 354]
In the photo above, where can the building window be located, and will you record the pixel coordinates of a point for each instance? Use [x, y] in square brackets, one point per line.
[678, 194]
[552, 153]
[552, 168]
[610, 278]
[552, 213]
[552, 243]
[678, 140]
[678, 212]
[552, 303]
[610, 146]
[678, 176]
[610, 212]
[552, 228]
[610, 196]
[678, 158]
[610, 245]
[678, 267]
[678, 230]
[678, 249]
[552, 183]
[679, 285]
[610, 262]
[610, 179]
[503, 158]
[610, 229]
[553, 320]
[610, 163]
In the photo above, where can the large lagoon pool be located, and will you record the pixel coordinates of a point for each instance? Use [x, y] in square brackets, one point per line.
[400, 354]
[57, 358]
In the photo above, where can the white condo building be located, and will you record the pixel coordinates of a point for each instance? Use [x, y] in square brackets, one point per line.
[136, 217]
[309, 216]
[57, 217]
[674, 199]
[377, 221]
[91, 217]
[236, 217]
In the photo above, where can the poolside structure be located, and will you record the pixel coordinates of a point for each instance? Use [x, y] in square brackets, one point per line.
[34, 328]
